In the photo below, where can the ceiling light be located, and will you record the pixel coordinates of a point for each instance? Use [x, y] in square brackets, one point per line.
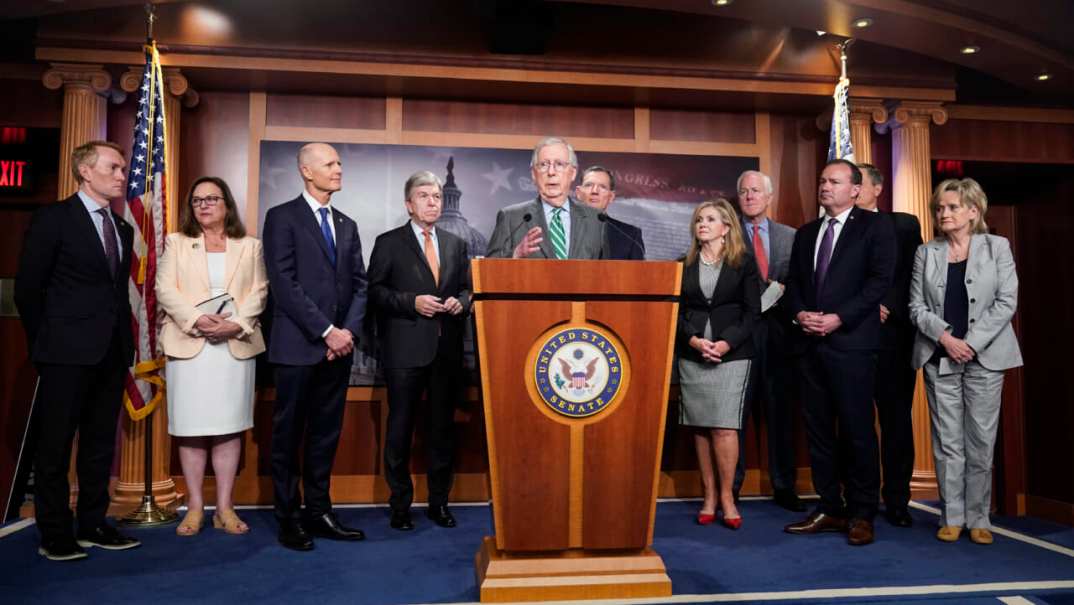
[1044, 76]
[970, 50]
[821, 32]
[863, 23]
[721, 2]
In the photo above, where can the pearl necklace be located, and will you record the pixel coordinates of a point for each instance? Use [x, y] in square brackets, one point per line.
[705, 262]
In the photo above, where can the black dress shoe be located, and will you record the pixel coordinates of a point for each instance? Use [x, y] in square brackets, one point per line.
[441, 516]
[293, 536]
[61, 549]
[898, 516]
[105, 536]
[328, 526]
[860, 532]
[401, 520]
[790, 501]
[816, 523]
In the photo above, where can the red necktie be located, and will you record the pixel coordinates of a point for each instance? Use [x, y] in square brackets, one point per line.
[758, 251]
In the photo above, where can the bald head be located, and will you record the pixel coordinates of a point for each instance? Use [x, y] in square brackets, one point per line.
[319, 165]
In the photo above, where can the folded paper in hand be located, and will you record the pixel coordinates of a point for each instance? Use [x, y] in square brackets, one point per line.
[771, 295]
[216, 305]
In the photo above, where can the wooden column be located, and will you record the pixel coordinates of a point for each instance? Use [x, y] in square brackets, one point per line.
[864, 113]
[85, 112]
[131, 484]
[911, 164]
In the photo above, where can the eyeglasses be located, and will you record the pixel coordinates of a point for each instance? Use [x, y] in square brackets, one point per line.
[558, 164]
[209, 200]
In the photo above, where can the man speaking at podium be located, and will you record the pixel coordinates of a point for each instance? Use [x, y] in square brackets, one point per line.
[553, 226]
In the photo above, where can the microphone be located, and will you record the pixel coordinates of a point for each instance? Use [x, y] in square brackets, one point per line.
[526, 218]
[604, 218]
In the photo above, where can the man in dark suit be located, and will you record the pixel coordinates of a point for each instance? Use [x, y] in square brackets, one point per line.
[770, 385]
[314, 260]
[573, 230]
[71, 292]
[895, 375]
[841, 269]
[419, 286]
[598, 191]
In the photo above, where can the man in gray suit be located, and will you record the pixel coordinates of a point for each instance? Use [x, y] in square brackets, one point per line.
[573, 230]
[770, 243]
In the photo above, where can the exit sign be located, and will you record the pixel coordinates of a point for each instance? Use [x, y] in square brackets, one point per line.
[15, 175]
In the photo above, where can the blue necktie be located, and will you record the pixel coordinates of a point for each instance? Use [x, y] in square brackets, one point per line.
[326, 231]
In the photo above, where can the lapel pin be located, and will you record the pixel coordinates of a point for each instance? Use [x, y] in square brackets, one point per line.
[196, 245]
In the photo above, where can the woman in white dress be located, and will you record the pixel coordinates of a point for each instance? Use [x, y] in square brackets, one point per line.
[211, 286]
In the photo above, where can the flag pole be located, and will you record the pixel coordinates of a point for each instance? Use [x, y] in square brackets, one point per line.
[149, 513]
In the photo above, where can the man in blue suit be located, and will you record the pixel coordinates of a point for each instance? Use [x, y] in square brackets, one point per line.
[314, 259]
[597, 191]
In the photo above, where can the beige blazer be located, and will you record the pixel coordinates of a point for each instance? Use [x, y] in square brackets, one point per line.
[992, 286]
[183, 282]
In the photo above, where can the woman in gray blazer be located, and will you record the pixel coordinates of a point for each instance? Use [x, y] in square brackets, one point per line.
[962, 298]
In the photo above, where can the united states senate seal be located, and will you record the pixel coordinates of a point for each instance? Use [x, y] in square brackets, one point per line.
[578, 371]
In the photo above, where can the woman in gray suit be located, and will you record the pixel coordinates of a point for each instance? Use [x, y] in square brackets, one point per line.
[962, 298]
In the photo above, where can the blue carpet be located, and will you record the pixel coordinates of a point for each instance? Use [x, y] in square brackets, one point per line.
[436, 565]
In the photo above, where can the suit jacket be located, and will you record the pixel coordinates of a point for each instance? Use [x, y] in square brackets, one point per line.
[183, 282]
[588, 240]
[308, 293]
[992, 286]
[399, 273]
[780, 242]
[624, 240]
[898, 330]
[859, 276]
[69, 302]
[733, 310]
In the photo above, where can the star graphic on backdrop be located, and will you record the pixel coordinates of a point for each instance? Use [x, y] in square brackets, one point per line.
[498, 177]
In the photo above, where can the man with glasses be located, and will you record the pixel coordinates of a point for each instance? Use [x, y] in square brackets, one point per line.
[597, 191]
[552, 226]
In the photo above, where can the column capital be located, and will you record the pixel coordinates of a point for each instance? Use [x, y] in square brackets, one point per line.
[913, 113]
[867, 110]
[93, 77]
[174, 82]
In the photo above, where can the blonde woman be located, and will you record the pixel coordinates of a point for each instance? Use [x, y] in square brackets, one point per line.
[211, 346]
[963, 294]
[719, 304]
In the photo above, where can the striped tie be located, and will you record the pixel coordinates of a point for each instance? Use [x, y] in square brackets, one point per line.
[558, 235]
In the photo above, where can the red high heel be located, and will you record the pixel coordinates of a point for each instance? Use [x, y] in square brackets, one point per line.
[705, 518]
[731, 522]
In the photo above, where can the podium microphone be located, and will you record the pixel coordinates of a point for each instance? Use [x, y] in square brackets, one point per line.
[526, 218]
[604, 218]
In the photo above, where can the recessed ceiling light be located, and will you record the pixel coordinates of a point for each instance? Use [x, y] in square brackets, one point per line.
[863, 23]
[1044, 76]
[721, 2]
[970, 50]
[821, 32]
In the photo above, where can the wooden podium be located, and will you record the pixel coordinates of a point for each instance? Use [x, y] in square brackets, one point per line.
[575, 363]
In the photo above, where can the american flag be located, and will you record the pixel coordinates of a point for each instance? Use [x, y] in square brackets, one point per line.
[839, 145]
[146, 204]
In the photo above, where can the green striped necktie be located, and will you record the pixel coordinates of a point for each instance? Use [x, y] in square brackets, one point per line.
[558, 235]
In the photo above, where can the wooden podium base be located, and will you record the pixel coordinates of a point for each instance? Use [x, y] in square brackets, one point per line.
[569, 576]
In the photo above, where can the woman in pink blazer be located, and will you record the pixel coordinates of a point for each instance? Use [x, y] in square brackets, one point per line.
[211, 285]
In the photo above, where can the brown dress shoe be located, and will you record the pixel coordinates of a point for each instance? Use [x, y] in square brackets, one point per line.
[816, 523]
[860, 532]
[980, 536]
[948, 533]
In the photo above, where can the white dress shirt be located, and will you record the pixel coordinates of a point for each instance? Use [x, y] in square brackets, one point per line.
[421, 239]
[315, 207]
[842, 221]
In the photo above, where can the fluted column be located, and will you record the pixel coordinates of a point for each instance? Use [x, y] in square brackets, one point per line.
[911, 162]
[131, 484]
[864, 113]
[85, 112]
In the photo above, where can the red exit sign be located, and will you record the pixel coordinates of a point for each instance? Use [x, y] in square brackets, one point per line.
[14, 175]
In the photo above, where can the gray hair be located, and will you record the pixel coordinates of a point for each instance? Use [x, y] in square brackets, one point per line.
[548, 142]
[764, 177]
[420, 179]
[875, 177]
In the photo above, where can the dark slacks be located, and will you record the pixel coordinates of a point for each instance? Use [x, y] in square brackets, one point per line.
[837, 394]
[308, 418]
[71, 398]
[895, 380]
[439, 381]
[770, 400]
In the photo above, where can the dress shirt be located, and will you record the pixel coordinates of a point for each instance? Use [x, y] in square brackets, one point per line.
[564, 217]
[842, 222]
[315, 207]
[98, 221]
[421, 239]
[763, 230]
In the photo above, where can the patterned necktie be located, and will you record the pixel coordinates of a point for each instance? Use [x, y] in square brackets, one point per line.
[558, 235]
[326, 231]
[430, 255]
[758, 251]
[111, 253]
[824, 256]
